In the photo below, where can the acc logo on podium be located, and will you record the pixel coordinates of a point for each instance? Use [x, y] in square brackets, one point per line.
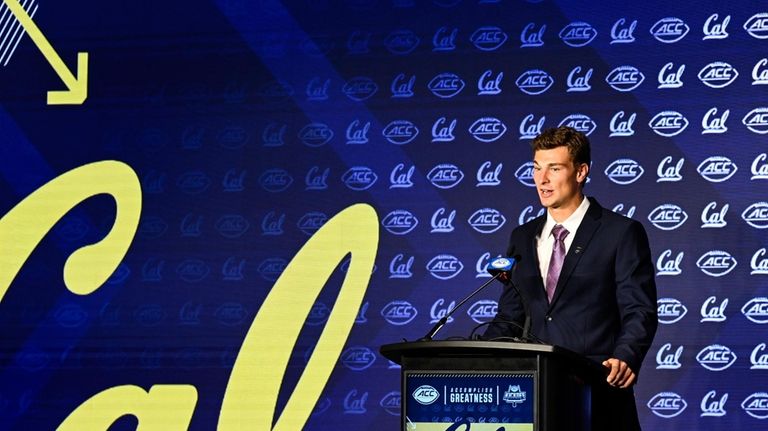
[426, 395]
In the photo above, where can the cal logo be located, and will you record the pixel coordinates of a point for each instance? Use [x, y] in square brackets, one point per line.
[446, 85]
[358, 358]
[357, 133]
[670, 310]
[625, 78]
[759, 167]
[401, 42]
[759, 359]
[756, 120]
[532, 38]
[359, 178]
[621, 32]
[578, 34]
[442, 222]
[578, 81]
[400, 177]
[716, 357]
[483, 310]
[315, 134]
[619, 209]
[757, 25]
[534, 82]
[760, 72]
[234, 180]
[668, 123]
[712, 218]
[580, 122]
[667, 404]
[756, 405]
[714, 29]
[756, 310]
[426, 395]
[718, 74]
[530, 127]
[275, 180]
[273, 135]
[442, 130]
[487, 175]
[439, 310]
[272, 224]
[711, 312]
[310, 222]
[713, 407]
[669, 172]
[669, 30]
[360, 88]
[399, 222]
[666, 265]
[487, 129]
[481, 266]
[488, 38]
[400, 132]
[444, 39]
[486, 220]
[621, 126]
[489, 85]
[624, 171]
[399, 313]
[354, 405]
[756, 215]
[528, 213]
[402, 87]
[445, 176]
[716, 263]
[759, 262]
[666, 359]
[400, 267]
[317, 89]
[669, 78]
[444, 266]
[712, 123]
[524, 174]
[717, 169]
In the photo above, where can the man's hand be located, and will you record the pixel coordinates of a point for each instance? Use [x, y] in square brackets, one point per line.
[619, 373]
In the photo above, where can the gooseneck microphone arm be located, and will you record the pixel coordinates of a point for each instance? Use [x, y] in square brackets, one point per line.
[440, 323]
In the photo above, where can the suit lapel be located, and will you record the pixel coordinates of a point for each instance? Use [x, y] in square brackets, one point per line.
[584, 234]
[535, 254]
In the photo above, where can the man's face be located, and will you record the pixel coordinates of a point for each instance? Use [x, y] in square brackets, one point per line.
[557, 179]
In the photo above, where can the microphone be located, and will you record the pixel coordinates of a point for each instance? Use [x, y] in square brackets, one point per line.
[496, 267]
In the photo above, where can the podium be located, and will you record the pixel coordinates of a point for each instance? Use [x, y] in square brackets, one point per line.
[492, 385]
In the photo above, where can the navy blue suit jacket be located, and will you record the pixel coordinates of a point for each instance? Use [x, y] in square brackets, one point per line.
[604, 305]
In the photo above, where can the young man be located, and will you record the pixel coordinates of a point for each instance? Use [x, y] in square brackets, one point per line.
[587, 275]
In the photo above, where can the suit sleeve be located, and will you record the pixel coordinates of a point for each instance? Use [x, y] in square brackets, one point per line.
[635, 296]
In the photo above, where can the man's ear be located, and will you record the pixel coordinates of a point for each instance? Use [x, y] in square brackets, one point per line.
[581, 172]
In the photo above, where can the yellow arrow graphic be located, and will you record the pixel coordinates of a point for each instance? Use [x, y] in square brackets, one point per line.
[77, 86]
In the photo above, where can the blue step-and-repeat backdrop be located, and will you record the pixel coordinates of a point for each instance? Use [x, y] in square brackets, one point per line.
[223, 146]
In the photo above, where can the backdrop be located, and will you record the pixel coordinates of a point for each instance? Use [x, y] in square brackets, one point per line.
[242, 128]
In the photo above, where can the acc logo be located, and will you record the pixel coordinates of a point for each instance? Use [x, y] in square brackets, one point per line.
[716, 31]
[756, 215]
[193, 182]
[756, 120]
[667, 404]
[270, 269]
[70, 316]
[399, 313]
[759, 263]
[534, 82]
[717, 169]
[756, 310]
[580, 122]
[669, 30]
[231, 313]
[401, 42]
[716, 263]
[426, 395]
[716, 357]
[624, 171]
[577, 34]
[192, 270]
[310, 222]
[444, 266]
[359, 88]
[445, 176]
[275, 180]
[622, 34]
[711, 124]
[718, 74]
[315, 134]
[359, 178]
[668, 123]
[400, 132]
[358, 358]
[756, 405]
[621, 127]
[446, 85]
[487, 129]
[757, 25]
[399, 222]
[232, 225]
[625, 78]
[670, 310]
[391, 403]
[483, 310]
[318, 314]
[524, 174]
[488, 38]
[486, 220]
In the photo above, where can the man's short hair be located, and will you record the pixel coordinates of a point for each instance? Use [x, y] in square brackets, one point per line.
[564, 136]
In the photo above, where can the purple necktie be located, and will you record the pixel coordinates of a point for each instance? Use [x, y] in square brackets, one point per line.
[556, 262]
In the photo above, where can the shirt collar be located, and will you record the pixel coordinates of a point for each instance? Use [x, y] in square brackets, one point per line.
[571, 223]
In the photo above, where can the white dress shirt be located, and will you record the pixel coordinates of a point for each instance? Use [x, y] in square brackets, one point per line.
[546, 241]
